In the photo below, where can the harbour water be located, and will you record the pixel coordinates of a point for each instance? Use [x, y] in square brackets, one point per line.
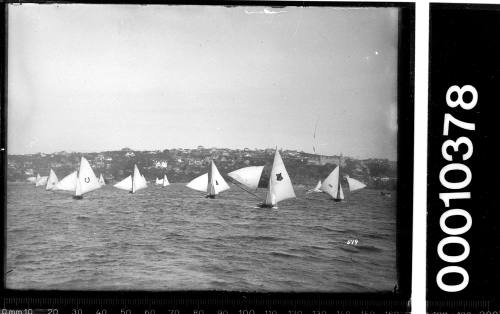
[173, 238]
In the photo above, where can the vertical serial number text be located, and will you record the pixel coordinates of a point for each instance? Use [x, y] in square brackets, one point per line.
[456, 150]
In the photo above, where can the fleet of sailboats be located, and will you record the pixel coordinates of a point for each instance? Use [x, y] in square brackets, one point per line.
[212, 183]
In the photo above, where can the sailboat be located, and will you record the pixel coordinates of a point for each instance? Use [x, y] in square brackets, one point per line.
[333, 187]
[316, 189]
[165, 180]
[31, 180]
[40, 181]
[133, 183]
[68, 183]
[248, 176]
[86, 180]
[354, 184]
[51, 181]
[158, 181]
[101, 180]
[280, 186]
[212, 182]
[82, 181]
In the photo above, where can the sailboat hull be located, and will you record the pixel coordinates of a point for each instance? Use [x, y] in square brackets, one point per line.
[264, 205]
[337, 199]
[210, 196]
[78, 197]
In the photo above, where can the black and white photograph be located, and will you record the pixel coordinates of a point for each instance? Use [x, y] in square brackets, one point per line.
[203, 147]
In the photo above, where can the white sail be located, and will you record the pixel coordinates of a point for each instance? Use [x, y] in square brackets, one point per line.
[139, 181]
[87, 180]
[158, 181]
[165, 180]
[280, 185]
[51, 181]
[341, 193]
[68, 183]
[248, 176]
[199, 183]
[354, 184]
[316, 189]
[41, 181]
[31, 179]
[125, 184]
[216, 182]
[101, 180]
[331, 184]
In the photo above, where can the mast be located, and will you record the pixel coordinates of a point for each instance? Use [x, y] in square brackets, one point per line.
[338, 188]
[210, 189]
[133, 174]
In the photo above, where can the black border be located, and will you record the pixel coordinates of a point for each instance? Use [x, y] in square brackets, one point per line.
[397, 300]
[463, 49]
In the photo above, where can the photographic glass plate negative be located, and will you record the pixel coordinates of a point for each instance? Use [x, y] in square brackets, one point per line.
[251, 158]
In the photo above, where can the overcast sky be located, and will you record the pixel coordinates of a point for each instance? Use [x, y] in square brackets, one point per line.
[101, 77]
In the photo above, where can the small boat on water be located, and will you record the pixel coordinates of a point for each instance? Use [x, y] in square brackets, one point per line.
[40, 181]
[86, 180]
[158, 181]
[31, 180]
[132, 183]
[101, 180]
[165, 181]
[333, 186]
[280, 186]
[81, 182]
[386, 194]
[316, 189]
[51, 181]
[212, 182]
